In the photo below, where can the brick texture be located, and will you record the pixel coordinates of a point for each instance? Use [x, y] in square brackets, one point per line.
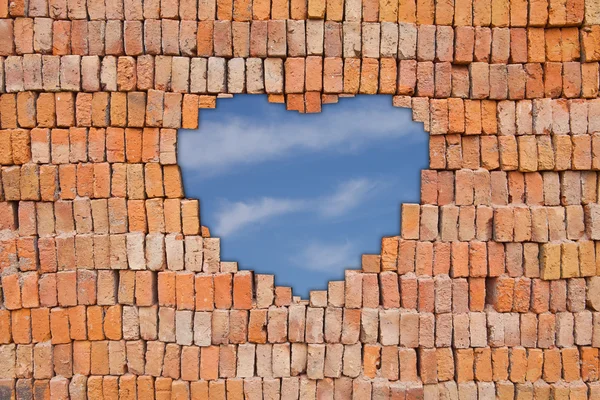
[110, 287]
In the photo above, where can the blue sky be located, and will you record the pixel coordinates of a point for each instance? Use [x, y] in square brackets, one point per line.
[302, 196]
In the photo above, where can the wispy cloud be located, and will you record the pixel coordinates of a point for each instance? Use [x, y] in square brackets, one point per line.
[223, 144]
[319, 256]
[348, 196]
[233, 217]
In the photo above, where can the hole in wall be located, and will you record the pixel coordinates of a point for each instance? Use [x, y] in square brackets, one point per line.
[302, 196]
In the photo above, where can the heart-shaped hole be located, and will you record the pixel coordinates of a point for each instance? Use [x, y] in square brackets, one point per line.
[303, 196]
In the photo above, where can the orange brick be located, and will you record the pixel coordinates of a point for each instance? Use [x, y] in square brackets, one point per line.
[185, 291]
[21, 326]
[477, 293]
[95, 316]
[500, 363]
[242, 290]
[12, 291]
[407, 11]
[351, 75]
[115, 145]
[209, 362]
[77, 323]
[570, 364]
[66, 283]
[257, 326]
[133, 141]
[464, 365]
[190, 112]
[295, 102]
[483, 364]
[223, 290]
[59, 326]
[371, 360]
[166, 288]
[5, 327]
[552, 365]
[370, 291]
[501, 292]
[312, 102]
[45, 110]
[294, 75]
[113, 322]
[589, 364]
[29, 284]
[145, 282]
[204, 292]
[172, 181]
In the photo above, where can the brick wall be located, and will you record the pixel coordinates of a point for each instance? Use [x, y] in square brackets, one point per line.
[111, 288]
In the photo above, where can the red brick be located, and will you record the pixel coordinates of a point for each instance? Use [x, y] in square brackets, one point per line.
[223, 290]
[501, 292]
[145, 283]
[185, 291]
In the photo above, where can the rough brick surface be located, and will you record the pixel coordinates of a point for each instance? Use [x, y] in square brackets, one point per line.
[110, 287]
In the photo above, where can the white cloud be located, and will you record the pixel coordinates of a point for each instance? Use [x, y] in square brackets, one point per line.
[348, 195]
[233, 217]
[320, 256]
[221, 145]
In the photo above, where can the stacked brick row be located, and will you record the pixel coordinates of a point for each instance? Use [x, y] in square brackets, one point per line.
[542, 134]
[110, 287]
[515, 13]
[400, 65]
[491, 49]
[295, 75]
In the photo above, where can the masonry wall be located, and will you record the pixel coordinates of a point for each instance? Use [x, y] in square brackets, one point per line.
[112, 289]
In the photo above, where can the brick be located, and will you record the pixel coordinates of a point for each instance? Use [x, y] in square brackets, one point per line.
[530, 242]
[550, 261]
